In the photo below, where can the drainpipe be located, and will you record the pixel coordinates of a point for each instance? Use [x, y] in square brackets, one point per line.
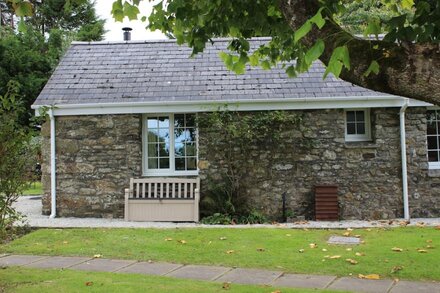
[53, 187]
[403, 153]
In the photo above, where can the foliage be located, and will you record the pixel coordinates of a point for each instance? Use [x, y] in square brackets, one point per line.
[17, 158]
[252, 217]
[217, 219]
[281, 248]
[237, 134]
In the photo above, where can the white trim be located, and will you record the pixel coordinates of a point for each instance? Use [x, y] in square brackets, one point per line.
[404, 164]
[239, 105]
[434, 165]
[170, 171]
[53, 167]
[359, 137]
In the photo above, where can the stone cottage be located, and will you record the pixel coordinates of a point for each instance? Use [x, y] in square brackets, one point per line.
[127, 110]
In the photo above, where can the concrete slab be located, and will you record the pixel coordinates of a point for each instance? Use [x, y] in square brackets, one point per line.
[250, 276]
[58, 262]
[19, 260]
[344, 240]
[362, 285]
[147, 268]
[419, 287]
[198, 272]
[304, 281]
[103, 265]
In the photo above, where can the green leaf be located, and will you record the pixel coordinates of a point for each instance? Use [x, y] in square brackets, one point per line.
[314, 52]
[21, 25]
[407, 4]
[291, 72]
[340, 57]
[317, 19]
[373, 68]
[23, 8]
[265, 65]
[131, 11]
[118, 11]
[302, 31]
[144, 19]
[254, 60]
[373, 28]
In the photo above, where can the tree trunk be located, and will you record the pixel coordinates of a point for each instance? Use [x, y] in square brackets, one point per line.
[408, 69]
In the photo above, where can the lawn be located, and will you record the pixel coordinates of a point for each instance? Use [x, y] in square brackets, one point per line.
[277, 249]
[38, 280]
[35, 188]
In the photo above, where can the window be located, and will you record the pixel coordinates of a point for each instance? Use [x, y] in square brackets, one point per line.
[432, 137]
[357, 125]
[170, 144]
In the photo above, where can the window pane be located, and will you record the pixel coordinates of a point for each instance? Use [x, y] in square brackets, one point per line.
[432, 143]
[164, 122]
[191, 163]
[351, 128]
[431, 127]
[179, 163]
[433, 156]
[179, 120]
[191, 149]
[164, 135]
[164, 150]
[360, 128]
[190, 120]
[360, 117]
[179, 135]
[191, 135]
[350, 116]
[152, 123]
[152, 136]
[164, 163]
[179, 149]
[152, 150]
[152, 163]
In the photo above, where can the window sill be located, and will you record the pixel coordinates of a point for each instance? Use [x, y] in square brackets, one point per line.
[433, 172]
[171, 174]
[360, 145]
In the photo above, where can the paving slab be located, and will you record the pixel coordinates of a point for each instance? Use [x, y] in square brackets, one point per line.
[199, 272]
[151, 268]
[103, 265]
[19, 260]
[58, 262]
[344, 240]
[304, 281]
[250, 276]
[419, 287]
[362, 285]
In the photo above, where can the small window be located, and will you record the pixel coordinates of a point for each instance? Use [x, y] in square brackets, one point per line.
[432, 138]
[170, 144]
[357, 125]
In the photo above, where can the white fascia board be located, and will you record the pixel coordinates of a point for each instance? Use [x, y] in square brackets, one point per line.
[239, 105]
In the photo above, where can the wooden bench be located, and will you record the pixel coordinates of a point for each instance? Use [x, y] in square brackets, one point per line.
[163, 200]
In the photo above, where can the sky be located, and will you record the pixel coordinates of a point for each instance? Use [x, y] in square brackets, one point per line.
[103, 9]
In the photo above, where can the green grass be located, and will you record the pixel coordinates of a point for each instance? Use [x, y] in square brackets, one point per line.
[33, 280]
[35, 188]
[281, 248]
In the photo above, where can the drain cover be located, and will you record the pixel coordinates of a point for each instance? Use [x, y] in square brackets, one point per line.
[344, 240]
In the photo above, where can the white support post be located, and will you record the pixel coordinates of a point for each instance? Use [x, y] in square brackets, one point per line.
[126, 208]
[404, 163]
[53, 170]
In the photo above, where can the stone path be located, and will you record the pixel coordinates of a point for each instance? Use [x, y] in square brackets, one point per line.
[219, 274]
[31, 207]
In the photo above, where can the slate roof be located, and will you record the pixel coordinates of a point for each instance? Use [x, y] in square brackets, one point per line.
[154, 71]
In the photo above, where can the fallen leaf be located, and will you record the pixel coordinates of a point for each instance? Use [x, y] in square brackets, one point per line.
[324, 249]
[396, 269]
[397, 249]
[358, 236]
[396, 280]
[261, 249]
[313, 245]
[223, 238]
[97, 256]
[89, 283]
[422, 250]
[369, 277]
[429, 241]
[352, 261]
[335, 256]
[404, 223]
[276, 291]
[230, 251]
[65, 242]
[182, 241]
[288, 235]
[346, 233]
[349, 229]
[437, 227]
[301, 250]
[368, 229]
[226, 285]
[360, 254]
[326, 256]
[349, 249]
[168, 239]
[420, 224]
[430, 246]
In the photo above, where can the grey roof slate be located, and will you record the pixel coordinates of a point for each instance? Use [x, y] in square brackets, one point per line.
[154, 71]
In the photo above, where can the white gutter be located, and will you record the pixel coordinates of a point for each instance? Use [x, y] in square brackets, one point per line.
[403, 153]
[53, 187]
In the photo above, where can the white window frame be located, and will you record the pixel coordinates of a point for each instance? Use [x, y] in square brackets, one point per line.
[431, 165]
[171, 171]
[359, 137]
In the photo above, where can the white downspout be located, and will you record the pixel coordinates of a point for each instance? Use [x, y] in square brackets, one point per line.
[53, 187]
[403, 153]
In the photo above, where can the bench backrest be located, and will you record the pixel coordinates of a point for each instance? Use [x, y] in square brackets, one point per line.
[164, 188]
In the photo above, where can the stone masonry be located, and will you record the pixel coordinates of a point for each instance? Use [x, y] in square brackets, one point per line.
[96, 156]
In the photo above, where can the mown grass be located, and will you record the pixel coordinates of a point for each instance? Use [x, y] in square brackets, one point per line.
[35, 188]
[277, 249]
[21, 279]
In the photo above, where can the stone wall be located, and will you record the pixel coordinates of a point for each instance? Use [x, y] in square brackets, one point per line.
[96, 156]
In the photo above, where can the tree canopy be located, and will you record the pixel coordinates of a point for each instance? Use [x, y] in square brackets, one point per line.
[399, 52]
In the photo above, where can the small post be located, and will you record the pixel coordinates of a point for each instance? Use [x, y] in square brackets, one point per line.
[127, 195]
[283, 196]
